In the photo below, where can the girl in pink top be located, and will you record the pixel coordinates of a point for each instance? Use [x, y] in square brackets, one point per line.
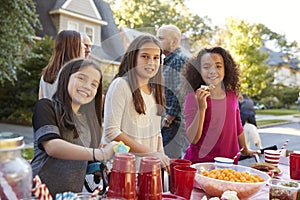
[212, 115]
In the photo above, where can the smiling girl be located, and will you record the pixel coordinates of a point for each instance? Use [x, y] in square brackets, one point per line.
[67, 128]
[213, 123]
[135, 100]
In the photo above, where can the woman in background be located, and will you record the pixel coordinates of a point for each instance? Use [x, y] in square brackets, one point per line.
[67, 46]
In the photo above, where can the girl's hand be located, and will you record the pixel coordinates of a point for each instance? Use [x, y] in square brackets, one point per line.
[201, 95]
[107, 151]
[247, 152]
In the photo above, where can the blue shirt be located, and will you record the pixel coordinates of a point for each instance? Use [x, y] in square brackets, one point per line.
[173, 63]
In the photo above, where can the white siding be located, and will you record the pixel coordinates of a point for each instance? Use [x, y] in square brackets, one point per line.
[82, 24]
[85, 7]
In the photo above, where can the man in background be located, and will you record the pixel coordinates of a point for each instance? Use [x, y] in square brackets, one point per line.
[173, 126]
[87, 43]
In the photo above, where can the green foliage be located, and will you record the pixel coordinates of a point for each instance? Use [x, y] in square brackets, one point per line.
[244, 42]
[148, 15]
[27, 153]
[18, 98]
[105, 85]
[277, 112]
[271, 121]
[17, 20]
[278, 96]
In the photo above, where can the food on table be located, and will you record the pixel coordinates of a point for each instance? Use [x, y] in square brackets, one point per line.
[270, 169]
[207, 87]
[228, 174]
[284, 190]
[227, 195]
[216, 187]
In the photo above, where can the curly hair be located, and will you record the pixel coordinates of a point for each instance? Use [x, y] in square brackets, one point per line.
[191, 75]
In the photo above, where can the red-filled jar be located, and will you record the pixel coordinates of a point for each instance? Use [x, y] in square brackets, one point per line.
[15, 171]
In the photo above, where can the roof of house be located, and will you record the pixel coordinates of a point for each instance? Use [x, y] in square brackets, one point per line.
[111, 48]
[111, 39]
[277, 59]
[42, 9]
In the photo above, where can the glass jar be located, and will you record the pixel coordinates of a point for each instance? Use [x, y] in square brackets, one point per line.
[15, 171]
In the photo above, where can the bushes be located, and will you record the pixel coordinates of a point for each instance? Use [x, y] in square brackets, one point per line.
[279, 97]
[17, 99]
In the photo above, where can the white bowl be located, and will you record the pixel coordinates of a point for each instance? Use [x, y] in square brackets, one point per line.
[215, 187]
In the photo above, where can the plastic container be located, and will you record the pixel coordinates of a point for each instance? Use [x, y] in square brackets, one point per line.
[15, 171]
[283, 189]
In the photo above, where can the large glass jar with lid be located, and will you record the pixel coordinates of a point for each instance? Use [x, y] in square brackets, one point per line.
[15, 171]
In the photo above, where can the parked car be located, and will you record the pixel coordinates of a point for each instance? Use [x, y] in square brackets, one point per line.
[260, 107]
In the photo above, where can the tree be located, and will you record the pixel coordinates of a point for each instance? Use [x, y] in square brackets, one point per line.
[244, 41]
[18, 20]
[148, 15]
[18, 98]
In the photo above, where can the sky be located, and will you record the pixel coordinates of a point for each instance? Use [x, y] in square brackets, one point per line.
[281, 16]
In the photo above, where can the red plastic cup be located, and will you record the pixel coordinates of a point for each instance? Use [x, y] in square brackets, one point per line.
[173, 163]
[149, 179]
[295, 166]
[184, 181]
[122, 184]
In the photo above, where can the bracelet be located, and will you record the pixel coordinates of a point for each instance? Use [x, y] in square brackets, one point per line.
[94, 158]
[104, 157]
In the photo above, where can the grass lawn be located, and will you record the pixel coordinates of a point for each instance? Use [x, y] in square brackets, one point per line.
[277, 112]
[270, 121]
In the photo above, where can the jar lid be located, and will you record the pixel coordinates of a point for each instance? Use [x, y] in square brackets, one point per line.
[10, 140]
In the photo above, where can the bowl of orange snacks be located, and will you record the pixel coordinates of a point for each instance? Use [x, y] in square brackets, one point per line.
[215, 181]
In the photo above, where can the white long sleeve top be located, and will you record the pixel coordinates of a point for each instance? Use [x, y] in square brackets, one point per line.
[120, 116]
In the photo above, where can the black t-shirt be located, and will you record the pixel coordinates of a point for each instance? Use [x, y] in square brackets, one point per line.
[59, 175]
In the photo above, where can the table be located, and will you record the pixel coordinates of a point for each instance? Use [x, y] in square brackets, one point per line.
[263, 194]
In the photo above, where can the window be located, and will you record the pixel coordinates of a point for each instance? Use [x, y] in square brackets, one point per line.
[72, 26]
[90, 32]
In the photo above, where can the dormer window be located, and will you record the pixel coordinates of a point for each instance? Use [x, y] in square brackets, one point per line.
[73, 26]
[89, 30]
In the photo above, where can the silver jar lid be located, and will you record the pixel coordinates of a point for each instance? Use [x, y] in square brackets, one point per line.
[10, 141]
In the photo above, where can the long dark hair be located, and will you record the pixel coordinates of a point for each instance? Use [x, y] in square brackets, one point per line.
[63, 101]
[127, 66]
[191, 76]
[67, 46]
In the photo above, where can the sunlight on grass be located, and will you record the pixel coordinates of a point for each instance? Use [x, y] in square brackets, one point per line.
[277, 112]
[270, 121]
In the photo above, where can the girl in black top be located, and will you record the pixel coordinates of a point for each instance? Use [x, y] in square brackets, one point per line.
[67, 129]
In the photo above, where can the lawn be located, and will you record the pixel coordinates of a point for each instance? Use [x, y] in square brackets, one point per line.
[269, 121]
[277, 112]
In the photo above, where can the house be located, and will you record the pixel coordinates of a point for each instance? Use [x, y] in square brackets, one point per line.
[129, 34]
[93, 17]
[286, 70]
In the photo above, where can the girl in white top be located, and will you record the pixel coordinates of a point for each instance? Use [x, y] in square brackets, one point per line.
[135, 100]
